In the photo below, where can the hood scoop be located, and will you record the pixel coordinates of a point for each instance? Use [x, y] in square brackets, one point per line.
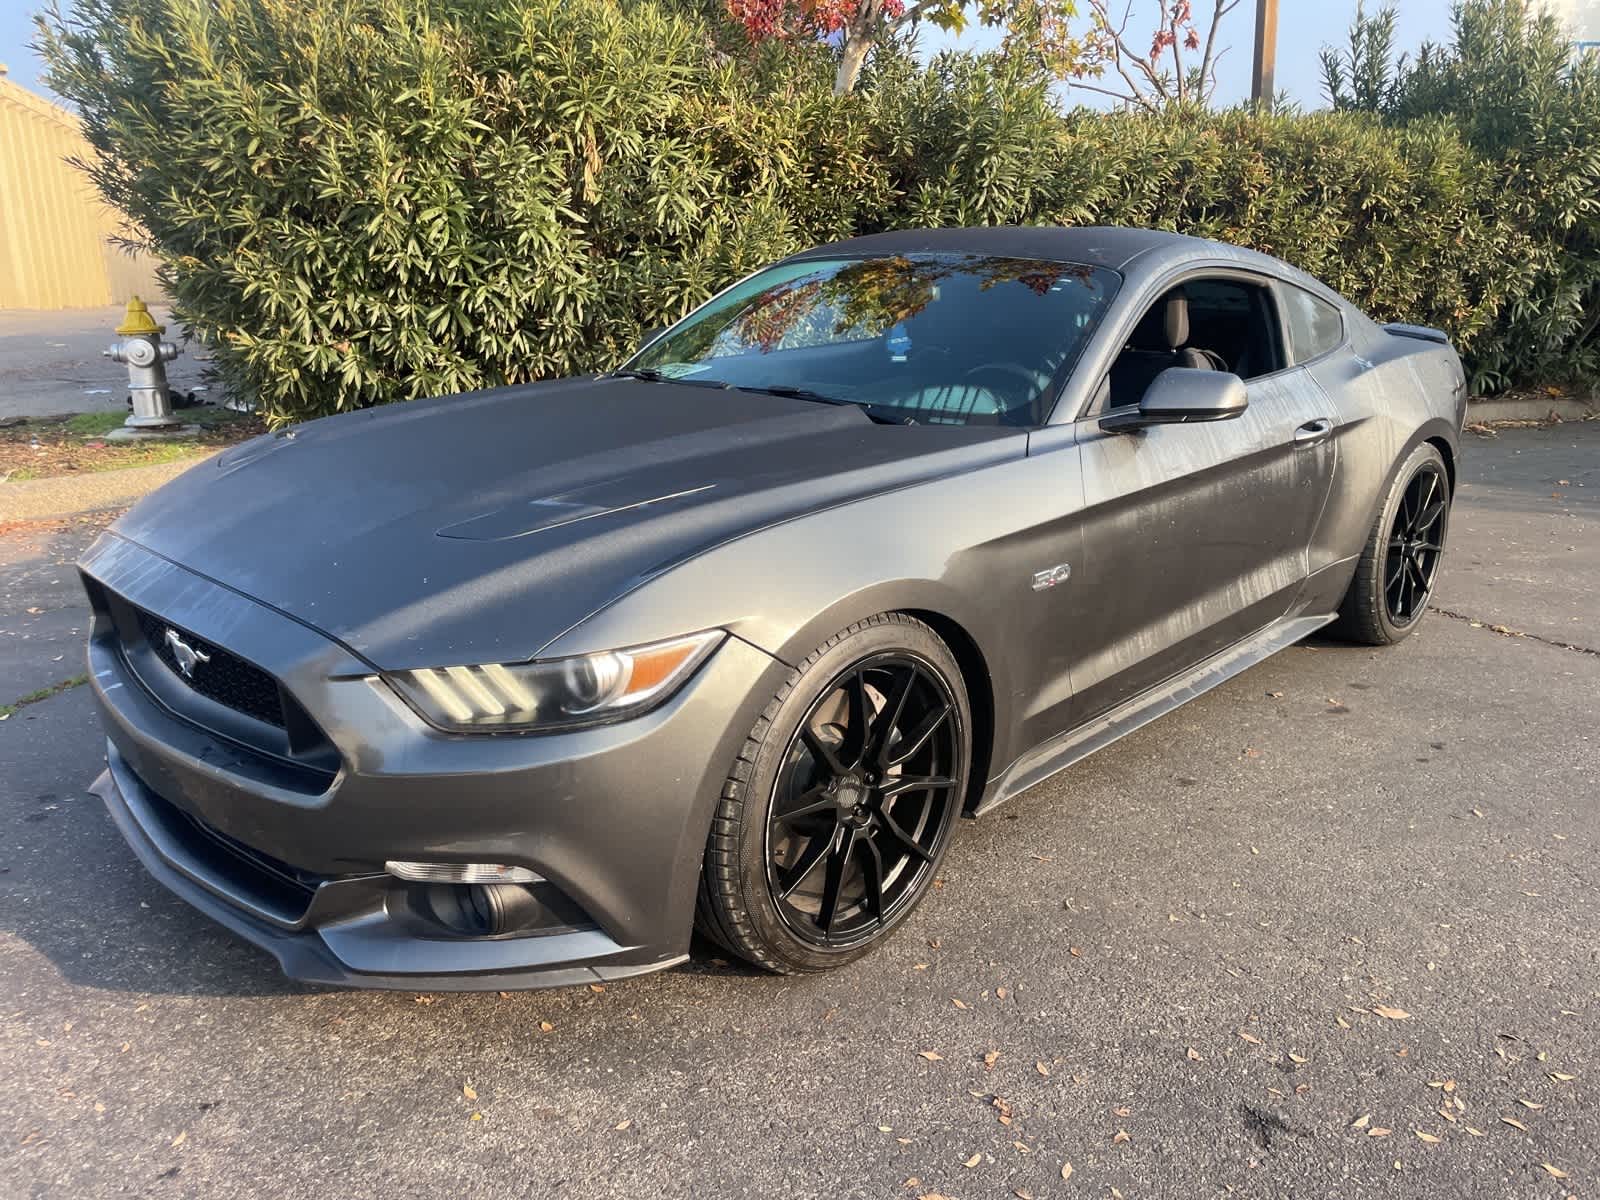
[551, 512]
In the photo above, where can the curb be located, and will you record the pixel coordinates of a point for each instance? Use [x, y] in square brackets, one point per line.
[69, 495]
[1529, 408]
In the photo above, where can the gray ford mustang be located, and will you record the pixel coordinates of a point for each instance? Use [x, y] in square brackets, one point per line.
[517, 688]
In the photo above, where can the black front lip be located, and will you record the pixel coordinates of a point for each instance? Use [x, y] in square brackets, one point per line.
[311, 954]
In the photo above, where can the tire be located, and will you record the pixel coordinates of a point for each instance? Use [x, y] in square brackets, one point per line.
[821, 781]
[1395, 577]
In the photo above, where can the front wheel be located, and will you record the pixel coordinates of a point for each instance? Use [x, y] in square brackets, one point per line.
[840, 807]
[1400, 563]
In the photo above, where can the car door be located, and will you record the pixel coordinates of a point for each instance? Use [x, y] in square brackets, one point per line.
[1196, 535]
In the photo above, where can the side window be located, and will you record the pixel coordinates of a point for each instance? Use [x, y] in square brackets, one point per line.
[1315, 326]
[1212, 324]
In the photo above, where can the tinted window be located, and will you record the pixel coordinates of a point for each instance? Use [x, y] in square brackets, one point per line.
[941, 338]
[1205, 324]
[1315, 326]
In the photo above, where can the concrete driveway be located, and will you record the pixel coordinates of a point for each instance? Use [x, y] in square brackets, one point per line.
[1331, 930]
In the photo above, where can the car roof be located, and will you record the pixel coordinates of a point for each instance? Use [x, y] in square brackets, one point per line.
[1095, 245]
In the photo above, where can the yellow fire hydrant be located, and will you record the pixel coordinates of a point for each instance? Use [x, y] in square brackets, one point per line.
[146, 354]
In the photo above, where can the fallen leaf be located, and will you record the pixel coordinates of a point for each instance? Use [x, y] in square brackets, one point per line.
[958, 1003]
[1250, 1037]
[885, 1128]
[467, 1091]
[1000, 993]
[930, 1055]
[1361, 1121]
[1193, 1055]
[973, 1161]
[545, 1027]
[1022, 1193]
[990, 1059]
[1431, 1139]
[1297, 1058]
[1392, 1014]
[477, 1116]
[1474, 1132]
[1379, 1131]
[919, 966]
[1074, 951]
[1449, 1086]
[597, 987]
[1066, 1170]
[1275, 695]
[1514, 1123]
[1041, 1068]
[1555, 1172]
[181, 1138]
[1120, 1136]
[1340, 1021]
[1563, 1078]
[99, 1107]
[1529, 1104]
[622, 1125]
[1448, 1115]
[1122, 1110]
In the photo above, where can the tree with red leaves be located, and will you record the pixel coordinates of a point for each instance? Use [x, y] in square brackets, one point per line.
[1041, 26]
[1148, 82]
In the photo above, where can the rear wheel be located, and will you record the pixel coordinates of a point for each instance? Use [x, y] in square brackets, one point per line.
[840, 807]
[1400, 564]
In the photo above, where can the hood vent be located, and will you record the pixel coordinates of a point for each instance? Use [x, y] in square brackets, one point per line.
[550, 512]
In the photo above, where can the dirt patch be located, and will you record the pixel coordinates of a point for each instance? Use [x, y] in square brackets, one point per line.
[44, 447]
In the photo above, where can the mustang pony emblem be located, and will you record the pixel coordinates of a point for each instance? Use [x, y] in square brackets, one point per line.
[188, 657]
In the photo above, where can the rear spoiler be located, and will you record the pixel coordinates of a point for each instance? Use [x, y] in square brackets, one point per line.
[1423, 333]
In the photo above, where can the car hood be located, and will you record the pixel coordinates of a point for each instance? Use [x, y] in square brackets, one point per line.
[481, 527]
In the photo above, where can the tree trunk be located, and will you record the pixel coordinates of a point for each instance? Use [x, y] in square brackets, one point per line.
[857, 43]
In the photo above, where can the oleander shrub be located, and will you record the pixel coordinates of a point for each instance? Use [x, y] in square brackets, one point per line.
[359, 201]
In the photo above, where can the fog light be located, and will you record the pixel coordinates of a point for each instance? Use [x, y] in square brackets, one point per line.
[423, 872]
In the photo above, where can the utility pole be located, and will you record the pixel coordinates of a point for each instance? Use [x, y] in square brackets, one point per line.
[1261, 86]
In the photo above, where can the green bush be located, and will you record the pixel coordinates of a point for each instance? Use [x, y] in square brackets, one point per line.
[360, 201]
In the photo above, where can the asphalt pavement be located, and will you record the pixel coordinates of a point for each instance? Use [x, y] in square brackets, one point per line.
[51, 361]
[1330, 930]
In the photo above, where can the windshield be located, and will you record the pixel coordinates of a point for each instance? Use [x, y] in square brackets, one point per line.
[936, 338]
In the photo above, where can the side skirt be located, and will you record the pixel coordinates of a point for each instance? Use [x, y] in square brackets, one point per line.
[1061, 752]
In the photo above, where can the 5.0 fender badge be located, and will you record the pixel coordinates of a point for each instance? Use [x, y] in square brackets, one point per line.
[1050, 576]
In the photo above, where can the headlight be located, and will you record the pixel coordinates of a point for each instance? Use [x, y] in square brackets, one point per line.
[558, 693]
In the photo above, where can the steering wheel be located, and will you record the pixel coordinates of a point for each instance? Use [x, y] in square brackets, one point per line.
[1017, 386]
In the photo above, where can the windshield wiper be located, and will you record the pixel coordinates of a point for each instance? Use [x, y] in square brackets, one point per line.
[651, 375]
[875, 412]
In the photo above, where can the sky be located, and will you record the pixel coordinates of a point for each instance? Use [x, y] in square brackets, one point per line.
[1304, 26]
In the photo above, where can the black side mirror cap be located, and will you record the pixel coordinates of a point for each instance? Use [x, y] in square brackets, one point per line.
[1181, 396]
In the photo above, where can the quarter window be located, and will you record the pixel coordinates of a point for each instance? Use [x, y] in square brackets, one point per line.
[1315, 326]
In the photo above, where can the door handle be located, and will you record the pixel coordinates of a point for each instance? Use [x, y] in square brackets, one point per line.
[1313, 432]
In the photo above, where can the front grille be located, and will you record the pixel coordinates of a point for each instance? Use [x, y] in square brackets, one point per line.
[220, 676]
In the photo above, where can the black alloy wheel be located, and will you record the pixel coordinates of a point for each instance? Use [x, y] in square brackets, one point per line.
[1399, 565]
[864, 800]
[1416, 544]
[840, 805]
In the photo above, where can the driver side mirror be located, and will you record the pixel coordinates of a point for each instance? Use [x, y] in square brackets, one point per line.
[1179, 396]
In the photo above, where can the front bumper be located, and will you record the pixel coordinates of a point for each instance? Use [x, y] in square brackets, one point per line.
[291, 859]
